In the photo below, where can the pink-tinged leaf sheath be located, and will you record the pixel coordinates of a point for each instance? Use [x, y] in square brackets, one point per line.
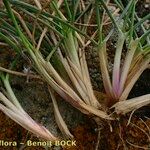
[79, 86]
[86, 79]
[124, 107]
[25, 120]
[127, 64]
[117, 61]
[142, 67]
[104, 70]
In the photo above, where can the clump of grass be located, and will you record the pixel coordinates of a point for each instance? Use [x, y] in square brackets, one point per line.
[12, 108]
[125, 75]
[57, 49]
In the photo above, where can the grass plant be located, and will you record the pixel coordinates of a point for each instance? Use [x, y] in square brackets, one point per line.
[56, 45]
